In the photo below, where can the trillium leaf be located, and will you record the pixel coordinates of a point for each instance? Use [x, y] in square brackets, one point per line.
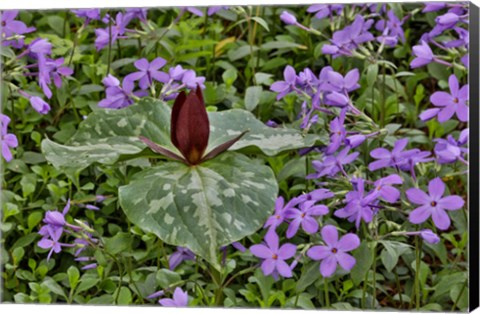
[203, 207]
[108, 135]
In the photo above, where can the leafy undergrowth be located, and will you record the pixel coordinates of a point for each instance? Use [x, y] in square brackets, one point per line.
[274, 157]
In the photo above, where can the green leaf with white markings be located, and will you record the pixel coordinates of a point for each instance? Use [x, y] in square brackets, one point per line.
[107, 135]
[203, 207]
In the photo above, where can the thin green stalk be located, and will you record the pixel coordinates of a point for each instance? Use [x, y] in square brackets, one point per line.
[417, 271]
[459, 295]
[382, 113]
[374, 279]
[327, 298]
[397, 280]
[129, 270]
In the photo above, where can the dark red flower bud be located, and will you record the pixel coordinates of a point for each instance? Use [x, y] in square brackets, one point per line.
[190, 127]
[190, 130]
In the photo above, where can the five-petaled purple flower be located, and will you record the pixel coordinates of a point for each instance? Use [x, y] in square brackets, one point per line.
[9, 140]
[334, 251]
[180, 299]
[273, 255]
[304, 217]
[396, 158]
[433, 204]
[451, 103]
[332, 164]
[148, 71]
[182, 254]
[451, 150]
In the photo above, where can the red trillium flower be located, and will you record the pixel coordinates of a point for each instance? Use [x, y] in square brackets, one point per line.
[190, 130]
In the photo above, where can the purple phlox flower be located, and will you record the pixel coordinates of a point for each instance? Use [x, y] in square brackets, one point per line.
[426, 235]
[116, 30]
[194, 10]
[463, 39]
[39, 48]
[392, 27]
[316, 195]
[283, 88]
[447, 20]
[307, 119]
[451, 150]
[423, 55]
[271, 124]
[182, 254]
[214, 9]
[37, 103]
[148, 71]
[332, 164]
[179, 78]
[279, 215]
[89, 266]
[56, 70]
[323, 10]
[180, 299]
[87, 14]
[450, 103]
[434, 6]
[416, 156]
[337, 87]
[307, 81]
[117, 96]
[433, 204]
[385, 188]
[337, 132]
[348, 39]
[358, 205]
[465, 60]
[239, 246]
[52, 241]
[57, 219]
[334, 252]
[140, 13]
[304, 217]
[84, 242]
[156, 294]
[273, 255]
[355, 140]
[290, 19]
[9, 140]
[396, 158]
[13, 28]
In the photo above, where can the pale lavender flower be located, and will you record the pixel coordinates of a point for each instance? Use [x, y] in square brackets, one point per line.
[180, 299]
[274, 256]
[433, 204]
[332, 164]
[52, 241]
[426, 235]
[358, 205]
[334, 252]
[9, 140]
[283, 88]
[396, 158]
[148, 71]
[216, 8]
[451, 150]
[182, 254]
[304, 217]
[13, 29]
[385, 188]
[449, 103]
[323, 10]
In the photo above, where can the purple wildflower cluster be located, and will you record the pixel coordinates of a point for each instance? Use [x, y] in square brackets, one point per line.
[328, 89]
[177, 78]
[56, 225]
[454, 21]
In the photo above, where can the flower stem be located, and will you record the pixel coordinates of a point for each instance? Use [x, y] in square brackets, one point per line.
[417, 271]
[327, 298]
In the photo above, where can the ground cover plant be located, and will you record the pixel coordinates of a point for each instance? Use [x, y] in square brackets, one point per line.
[276, 157]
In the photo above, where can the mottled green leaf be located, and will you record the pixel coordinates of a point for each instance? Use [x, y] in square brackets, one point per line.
[202, 207]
